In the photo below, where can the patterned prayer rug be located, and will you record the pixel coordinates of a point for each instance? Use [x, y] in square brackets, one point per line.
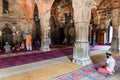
[89, 73]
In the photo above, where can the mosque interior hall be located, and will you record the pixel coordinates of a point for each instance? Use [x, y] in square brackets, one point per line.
[59, 39]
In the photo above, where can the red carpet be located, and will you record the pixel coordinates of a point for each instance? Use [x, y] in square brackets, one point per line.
[34, 57]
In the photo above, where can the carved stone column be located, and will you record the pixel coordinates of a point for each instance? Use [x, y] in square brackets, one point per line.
[81, 47]
[1, 7]
[82, 16]
[44, 7]
[44, 21]
[115, 44]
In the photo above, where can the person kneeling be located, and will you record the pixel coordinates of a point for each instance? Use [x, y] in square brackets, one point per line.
[108, 68]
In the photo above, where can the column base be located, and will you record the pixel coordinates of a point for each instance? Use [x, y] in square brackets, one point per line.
[115, 45]
[45, 48]
[82, 62]
[45, 45]
[81, 53]
[114, 50]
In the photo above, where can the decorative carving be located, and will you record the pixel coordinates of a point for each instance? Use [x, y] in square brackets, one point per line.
[82, 10]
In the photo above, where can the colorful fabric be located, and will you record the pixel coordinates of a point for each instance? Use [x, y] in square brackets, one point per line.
[103, 70]
[28, 40]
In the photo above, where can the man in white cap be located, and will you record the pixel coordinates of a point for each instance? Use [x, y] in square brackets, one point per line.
[7, 48]
[109, 66]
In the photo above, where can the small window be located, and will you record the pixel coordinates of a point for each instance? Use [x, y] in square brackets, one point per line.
[5, 6]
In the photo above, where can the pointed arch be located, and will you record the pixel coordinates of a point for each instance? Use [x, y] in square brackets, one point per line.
[28, 8]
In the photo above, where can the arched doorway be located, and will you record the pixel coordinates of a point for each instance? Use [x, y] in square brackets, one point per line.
[37, 32]
[62, 22]
[7, 35]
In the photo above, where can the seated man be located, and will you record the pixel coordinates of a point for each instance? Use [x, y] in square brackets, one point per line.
[108, 68]
[7, 48]
[37, 44]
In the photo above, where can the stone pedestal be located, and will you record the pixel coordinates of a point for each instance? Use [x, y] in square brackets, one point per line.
[81, 53]
[114, 45]
[45, 45]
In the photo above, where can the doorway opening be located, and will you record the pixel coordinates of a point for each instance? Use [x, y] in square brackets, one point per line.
[5, 6]
[37, 32]
[62, 25]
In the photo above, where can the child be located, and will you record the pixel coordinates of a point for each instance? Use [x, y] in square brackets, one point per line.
[22, 45]
[7, 48]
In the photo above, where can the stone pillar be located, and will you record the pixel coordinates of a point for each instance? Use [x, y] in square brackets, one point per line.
[82, 16]
[1, 7]
[115, 44]
[44, 21]
[81, 47]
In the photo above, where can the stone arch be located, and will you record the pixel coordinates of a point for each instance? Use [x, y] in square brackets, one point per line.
[59, 8]
[18, 11]
[36, 29]
[44, 8]
[61, 21]
[27, 11]
[27, 7]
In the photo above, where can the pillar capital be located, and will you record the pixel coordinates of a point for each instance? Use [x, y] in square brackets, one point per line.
[82, 10]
